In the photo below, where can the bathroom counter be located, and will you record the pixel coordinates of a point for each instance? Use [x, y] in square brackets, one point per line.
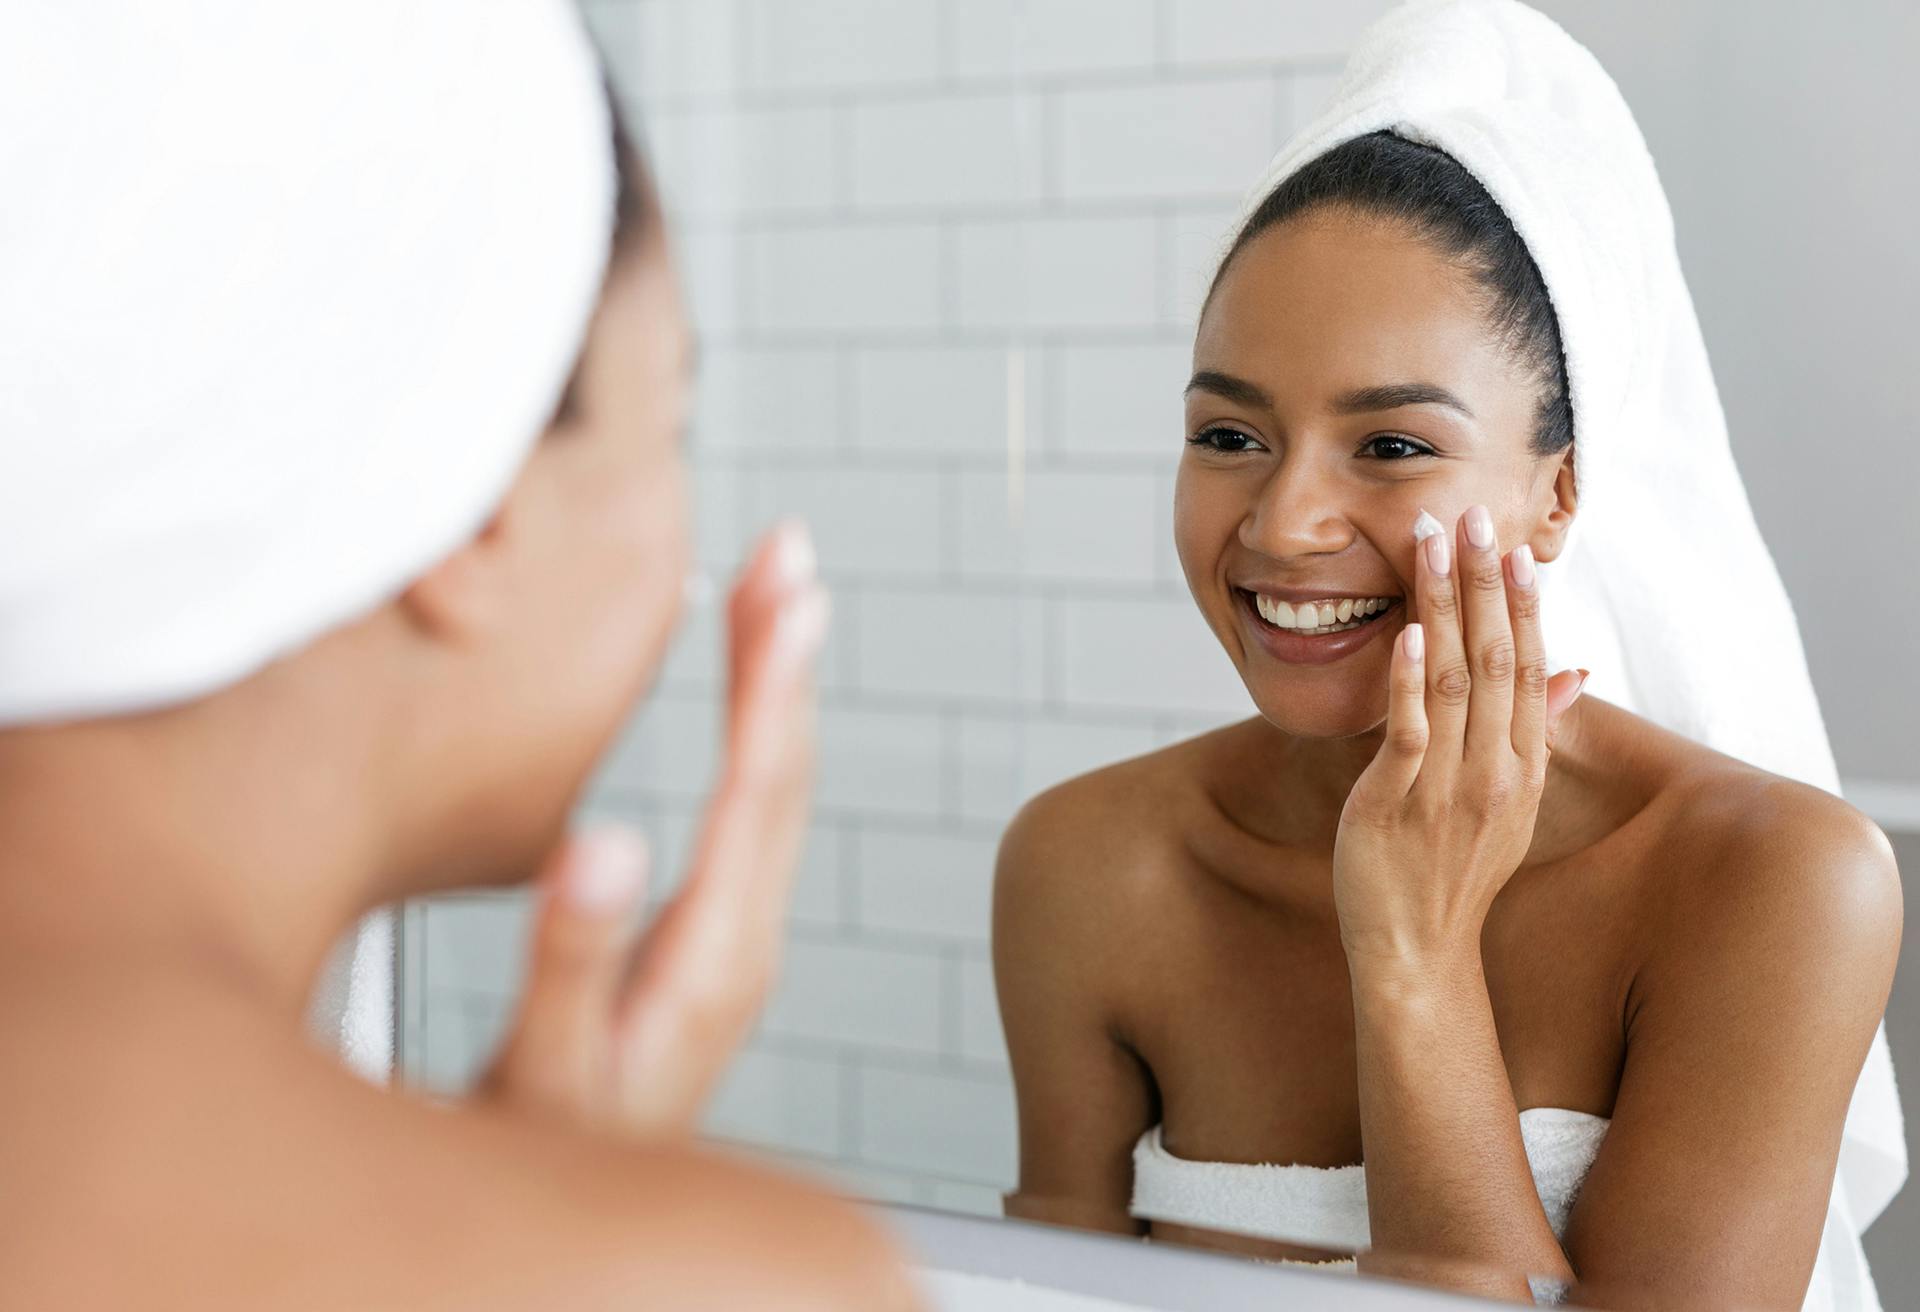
[979, 1264]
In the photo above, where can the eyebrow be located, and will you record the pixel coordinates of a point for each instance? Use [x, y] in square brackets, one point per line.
[1229, 388]
[1391, 396]
[1361, 400]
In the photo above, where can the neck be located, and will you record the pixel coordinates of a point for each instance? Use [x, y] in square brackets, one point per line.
[211, 836]
[1288, 790]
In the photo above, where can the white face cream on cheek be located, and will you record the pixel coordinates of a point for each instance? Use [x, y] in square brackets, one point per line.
[1426, 526]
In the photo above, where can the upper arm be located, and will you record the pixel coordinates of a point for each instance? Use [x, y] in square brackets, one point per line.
[1084, 1098]
[1748, 1025]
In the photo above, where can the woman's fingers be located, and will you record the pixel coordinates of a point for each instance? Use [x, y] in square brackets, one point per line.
[1540, 701]
[704, 971]
[1448, 682]
[1529, 737]
[1489, 636]
[761, 633]
[558, 1054]
[1563, 690]
[757, 817]
[1407, 731]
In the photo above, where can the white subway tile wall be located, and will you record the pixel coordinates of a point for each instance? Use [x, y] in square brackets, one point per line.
[1204, 137]
[1059, 273]
[944, 258]
[1029, 38]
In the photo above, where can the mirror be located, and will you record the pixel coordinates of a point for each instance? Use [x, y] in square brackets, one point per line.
[947, 262]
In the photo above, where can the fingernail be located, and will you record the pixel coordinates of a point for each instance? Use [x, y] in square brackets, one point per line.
[1581, 686]
[1425, 526]
[1414, 641]
[1479, 527]
[606, 869]
[1523, 565]
[802, 626]
[794, 558]
[1437, 556]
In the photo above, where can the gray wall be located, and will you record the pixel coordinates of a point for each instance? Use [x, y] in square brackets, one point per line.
[1787, 136]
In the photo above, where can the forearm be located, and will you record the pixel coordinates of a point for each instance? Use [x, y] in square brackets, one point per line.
[1448, 1181]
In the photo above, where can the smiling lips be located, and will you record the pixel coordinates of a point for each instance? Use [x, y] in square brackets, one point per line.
[1323, 615]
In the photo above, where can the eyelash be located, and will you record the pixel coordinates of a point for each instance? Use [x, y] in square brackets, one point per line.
[1414, 448]
[1206, 439]
[1209, 439]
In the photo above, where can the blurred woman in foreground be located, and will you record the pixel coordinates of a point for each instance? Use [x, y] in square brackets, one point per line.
[342, 522]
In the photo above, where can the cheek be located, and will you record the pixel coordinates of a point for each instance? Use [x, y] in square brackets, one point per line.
[650, 537]
[655, 516]
[630, 568]
[1207, 511]
[1388, 523]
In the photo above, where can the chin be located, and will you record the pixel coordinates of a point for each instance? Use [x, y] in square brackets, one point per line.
[1301, 717]
[512, 842]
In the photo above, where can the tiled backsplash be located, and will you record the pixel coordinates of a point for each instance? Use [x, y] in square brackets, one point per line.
[943, 256]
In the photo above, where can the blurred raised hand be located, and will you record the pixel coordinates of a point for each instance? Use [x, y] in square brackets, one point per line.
[632, 1033]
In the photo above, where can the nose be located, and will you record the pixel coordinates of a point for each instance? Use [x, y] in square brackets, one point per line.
[1298, 512]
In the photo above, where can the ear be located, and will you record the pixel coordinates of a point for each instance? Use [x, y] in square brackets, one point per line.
[466, 590]
[1550, 533]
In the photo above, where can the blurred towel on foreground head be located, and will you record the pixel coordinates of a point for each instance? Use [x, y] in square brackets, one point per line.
[1531, 114]
[291, 291]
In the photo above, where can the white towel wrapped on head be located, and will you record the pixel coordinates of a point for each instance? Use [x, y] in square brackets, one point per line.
[290, 292]
[287, 294]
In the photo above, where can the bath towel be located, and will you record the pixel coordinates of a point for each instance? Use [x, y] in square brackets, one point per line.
[290, 293]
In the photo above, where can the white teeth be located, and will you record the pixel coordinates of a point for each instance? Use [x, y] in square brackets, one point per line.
[1317, 616]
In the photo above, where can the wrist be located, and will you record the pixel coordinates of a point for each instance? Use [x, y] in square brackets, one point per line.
[1408, 974]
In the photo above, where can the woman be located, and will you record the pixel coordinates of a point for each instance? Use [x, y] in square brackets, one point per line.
[1427, 888]
[342, 519]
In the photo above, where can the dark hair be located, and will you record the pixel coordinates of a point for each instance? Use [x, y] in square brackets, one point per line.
[635, 207]
[635, 212]
[1433, 194]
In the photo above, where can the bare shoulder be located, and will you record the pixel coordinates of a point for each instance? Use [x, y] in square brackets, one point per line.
[1102, 840]
[229, 1164]
[1767, 872]
[564, 1217]
[1729, 844]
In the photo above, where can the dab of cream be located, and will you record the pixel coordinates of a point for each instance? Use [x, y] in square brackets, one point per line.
[1426, 526]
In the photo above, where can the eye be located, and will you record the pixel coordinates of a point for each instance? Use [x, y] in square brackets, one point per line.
[1227, 441]
[1396, 447]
